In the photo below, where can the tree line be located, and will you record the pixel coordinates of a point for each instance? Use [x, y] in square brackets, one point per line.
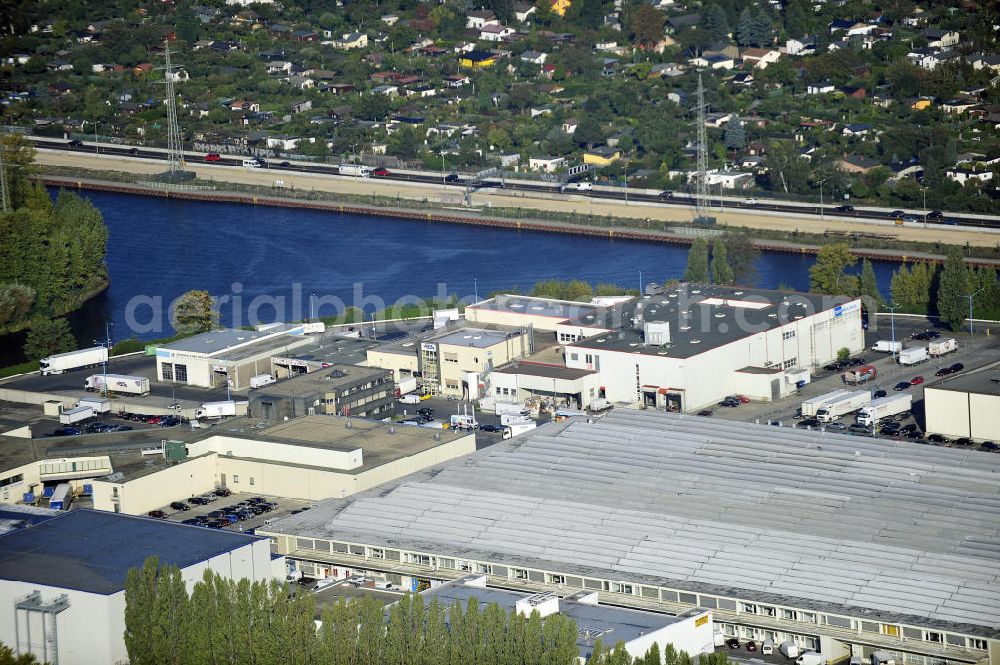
[733, 260]
[264, 623]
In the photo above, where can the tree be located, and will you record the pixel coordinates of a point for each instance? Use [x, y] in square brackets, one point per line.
[827, 274]
[194, 312]
[955, 286]
[15, 302]
[48, 336]
[156, 614]
[761, 28]
[742, 258]
[716, 22]
[868, 286]
[591, 13]
[722, 273]
[735, 136]
[843, 353]
[588, 131]
[187, 24]
[697, 265]
[647, 25]
[745, 28]
[785, 168]
[7, 657]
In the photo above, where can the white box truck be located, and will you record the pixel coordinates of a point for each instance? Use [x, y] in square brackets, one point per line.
[411, 398]
[216, 409]
[841, 407]
[61, 497]
[98, 404]
[75, 415]
[464, 421]
[261, 380]
[810, 658]
[813, 404]
[515, 418]
[912, 356]
[789, 649]
[62, 362]
[117, 383]
[886, 346]
[939, 347]
[358, 170]
[884, 407]
[407, 385]
[514, 429]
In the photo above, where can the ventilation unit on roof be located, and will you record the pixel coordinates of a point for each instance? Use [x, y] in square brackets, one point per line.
[545, 604]
[656, 333]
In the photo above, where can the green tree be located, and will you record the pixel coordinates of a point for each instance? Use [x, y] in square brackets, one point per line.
[742, 257]
[843, 353]
[7, 657]
[588, 131]
[48, 336]
[15, 302]
[955, 286]
[745, 28]
[647, 25]
[762, 28]
[868, 286]
[716, 22]
[722, 272]
[156, 615]
[697, 265]
[194, 312]
[828, 275]
[786, 170]
[187, 24]
[735, 136]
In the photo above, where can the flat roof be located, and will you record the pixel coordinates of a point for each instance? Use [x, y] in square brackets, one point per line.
[815, 520]
[544, 370]
[531, 306]
[700, 317]
[218, 340]
[472, 337]
[320, 381]
[334, 349]
[611, 624]
[92, 550]
[984, 381]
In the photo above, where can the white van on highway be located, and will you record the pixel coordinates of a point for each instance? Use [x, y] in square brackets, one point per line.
[251, 164]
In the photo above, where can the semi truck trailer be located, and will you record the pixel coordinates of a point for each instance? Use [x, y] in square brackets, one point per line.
[914, 355]
[884, 407]
[63, 362]
[117, 383]
[841, 407]
[812, 405]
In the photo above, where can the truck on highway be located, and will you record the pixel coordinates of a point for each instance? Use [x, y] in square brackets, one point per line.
[75, 415]
[117, 383]
[814, 404]
[886, 346]
[514, 429]
[261, 380]
[860, 375]
[62, 362]
[913, 355]
[216, 409]
[406, 386]
[61, 497]
[359, 170]
[884, 407]
[940, 347]
[849, 403]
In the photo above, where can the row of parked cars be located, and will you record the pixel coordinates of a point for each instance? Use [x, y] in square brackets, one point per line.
[162, 421]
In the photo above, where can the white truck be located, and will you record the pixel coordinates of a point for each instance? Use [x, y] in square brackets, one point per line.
[410, 398]
[405, 386]
[887, 346]
[849, 403]
[75, 415]
[883, 407]
[117, 383]
[216, 409]
[810, 658]
[814, 404]
[98, 404]
[358, 170]
[62, 362]
[913, 355]
[464, 421]
[789, 649]
[261, 380]
[514, 429]
[940, 347]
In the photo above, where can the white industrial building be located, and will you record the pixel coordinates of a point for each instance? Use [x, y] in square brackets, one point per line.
[690, 631]
[62, 580]
[521, 381]
[693, 344]
[967, 405]
[846, 545]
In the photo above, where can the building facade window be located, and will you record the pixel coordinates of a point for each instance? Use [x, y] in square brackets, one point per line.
[236, 479]
[791, 362]
[168, 371]
[788, 334]
[181, 373]
[251, 480]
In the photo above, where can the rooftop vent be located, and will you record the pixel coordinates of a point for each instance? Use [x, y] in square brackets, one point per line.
[656, 333]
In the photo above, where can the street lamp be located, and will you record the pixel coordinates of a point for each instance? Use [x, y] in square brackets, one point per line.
[821, 216]
[892, 324]
[970, 297]
[107, 345]
[312, 313]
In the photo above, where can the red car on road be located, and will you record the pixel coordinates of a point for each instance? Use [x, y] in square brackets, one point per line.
[916, 381]
[213, 157]
[380, 172]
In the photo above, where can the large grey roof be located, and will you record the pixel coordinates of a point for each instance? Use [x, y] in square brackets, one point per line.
[810, 519]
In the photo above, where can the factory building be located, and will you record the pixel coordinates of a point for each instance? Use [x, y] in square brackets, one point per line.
[310, 458]
[690, 631]
[521, 381]
[845, 545]
[62, 581]
[967, 405]
[346, 390]
[527, 311]
[454, 361]
[215, 358]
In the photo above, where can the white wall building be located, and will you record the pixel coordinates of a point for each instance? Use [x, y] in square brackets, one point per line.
[965, 406]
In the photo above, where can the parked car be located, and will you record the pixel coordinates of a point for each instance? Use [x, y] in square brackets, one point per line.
[915, 434]
[989, 445]
[854, 362]
[896, 213]
[666, 194]
[285, 165]
[809, 422]
[916, 381]
[730, 402]
[157, 514]
[222, 491]
[963, 441]
[490, 427]
[76, 143]
[836, 427]
[957, 367]
[169, 421]
[878, 393]
[926, 335]
[909, 219]
[67, 431]
[857, 428]
[193, 521]
[705, 412]
[381, 172]
[938, 438]
[935, 214]
[890, 428]
[750, 202]
[902, 385]
[733, 643]
[944, 371]
[198, 501]
[213, 157]
[179, 505]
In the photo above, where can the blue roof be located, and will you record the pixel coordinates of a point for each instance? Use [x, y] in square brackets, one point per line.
[92, 550]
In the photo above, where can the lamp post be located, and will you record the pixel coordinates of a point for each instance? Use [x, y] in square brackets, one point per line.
[970, 297]
[312, 312]
[107, 345]
[821, 215]
[892, 324]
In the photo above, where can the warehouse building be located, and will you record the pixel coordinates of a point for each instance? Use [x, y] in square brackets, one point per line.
[842, 544]
[310, 458]
[967, 405]
[521, 381]
[346, 390]
[527, 311]
[62, 581]
[215, 358]
[690, 631]
[453, 361]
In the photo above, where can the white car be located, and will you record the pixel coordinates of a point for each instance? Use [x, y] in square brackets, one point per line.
[581, 186]
[750, 202]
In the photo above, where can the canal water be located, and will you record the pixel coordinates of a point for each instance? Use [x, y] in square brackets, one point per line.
[268, 262]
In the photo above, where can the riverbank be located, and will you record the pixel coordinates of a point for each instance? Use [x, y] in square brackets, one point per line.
[617, 225]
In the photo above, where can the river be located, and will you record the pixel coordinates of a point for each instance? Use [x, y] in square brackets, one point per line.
[264, 260]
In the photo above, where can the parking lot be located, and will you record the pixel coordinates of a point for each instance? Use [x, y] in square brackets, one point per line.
[444, 408]
[285, 507]
[973, 352]
[105, 423]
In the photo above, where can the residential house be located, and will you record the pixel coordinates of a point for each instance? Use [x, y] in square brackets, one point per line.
[742, 79]
[675, 24]
[820, 88]
[931, 59]
[570, 125]
[179, 76]
[964, 175]
[247, 3]
[716, 61]
[390, 19]
[717, 119]
[760, 58]
[350, 41]
[754, 162]
[922, 103]
[283, 142]
[731, 180]
[805, 45]
[495, 33]
[908, 169]
[301, 82]
[854, 91]
[534, 57]
[142, 68]
[540, 110]
[387, 90]
[523, 11]
[959, 106]
[279, 30]
[938, 38]
[477, 59]
[851, 27]
[302, 106]
[857, 164]
[341, 88]
[991, 62]
[382, 77]
[305, 36]
[279, 67]
[857, 129]
[480, 18]
[421, 91]
[456, 81]
[241, 106]
[546, 164]
[602, 156]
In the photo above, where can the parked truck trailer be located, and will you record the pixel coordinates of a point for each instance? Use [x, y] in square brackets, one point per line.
[216, 409]
[884, 407]
[940, 347]
[860, 375]
[913, 355]
[841, 407]
[887, 346]
[61, 497]
[406, 386]
[812, 405]
[76, 415]
[63, 362]
[117, 383]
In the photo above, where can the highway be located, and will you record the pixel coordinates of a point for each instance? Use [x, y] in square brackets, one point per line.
[679, 200]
